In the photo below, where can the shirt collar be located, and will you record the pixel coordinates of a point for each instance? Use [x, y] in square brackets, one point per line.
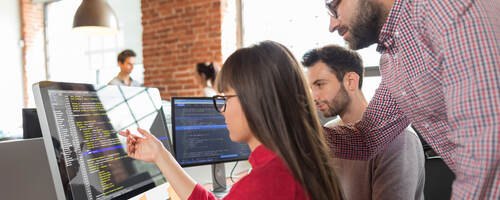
[123, 81]
[260, 156]
[388, 31]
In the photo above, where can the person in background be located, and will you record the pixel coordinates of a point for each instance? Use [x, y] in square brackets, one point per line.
[126, 61]
[335, 76]
[440, 71]
[207, 74]
[290, 158]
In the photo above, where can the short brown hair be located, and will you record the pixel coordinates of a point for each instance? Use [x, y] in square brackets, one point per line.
[125, 54]
[339, 59]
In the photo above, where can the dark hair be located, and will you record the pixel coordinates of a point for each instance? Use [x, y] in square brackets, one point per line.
[277, 104]
[125, 54]
[340, 61]
[208, 70]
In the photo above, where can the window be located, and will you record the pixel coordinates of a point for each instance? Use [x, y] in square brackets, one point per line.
[300, 26]
[11, 78]
[76, 57]
[71, 56]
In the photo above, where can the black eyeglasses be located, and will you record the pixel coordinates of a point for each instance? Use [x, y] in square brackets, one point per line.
[220, 102]
[331, 7]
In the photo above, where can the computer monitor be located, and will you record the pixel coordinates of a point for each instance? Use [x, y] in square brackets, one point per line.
[31, 124]
[200, 133]
[201, 137]
[79, 125]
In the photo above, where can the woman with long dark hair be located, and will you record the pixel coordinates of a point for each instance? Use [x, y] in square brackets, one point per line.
[267, 105]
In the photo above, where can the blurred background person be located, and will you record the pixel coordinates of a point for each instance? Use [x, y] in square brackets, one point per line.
[207, 74]
[126, 61]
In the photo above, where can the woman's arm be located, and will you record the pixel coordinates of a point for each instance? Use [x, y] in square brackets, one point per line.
[150, 149]
[182, 183]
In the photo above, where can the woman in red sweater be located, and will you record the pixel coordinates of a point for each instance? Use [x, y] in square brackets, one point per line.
[268, 106]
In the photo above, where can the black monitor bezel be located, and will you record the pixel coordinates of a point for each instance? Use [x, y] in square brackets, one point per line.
[43, 87]
[174, 133]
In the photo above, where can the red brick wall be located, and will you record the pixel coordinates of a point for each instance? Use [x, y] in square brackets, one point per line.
[177, 34]
[32, 33]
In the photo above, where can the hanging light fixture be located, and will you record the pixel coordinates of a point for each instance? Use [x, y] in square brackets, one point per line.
[95, 17]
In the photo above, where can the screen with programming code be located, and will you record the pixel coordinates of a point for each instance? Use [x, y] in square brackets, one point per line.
[91, 157]
[200, 134]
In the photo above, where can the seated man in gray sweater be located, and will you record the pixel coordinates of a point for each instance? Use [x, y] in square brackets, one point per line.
[335, 75]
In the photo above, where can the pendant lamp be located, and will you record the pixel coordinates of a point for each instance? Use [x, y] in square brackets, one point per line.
[95, 17]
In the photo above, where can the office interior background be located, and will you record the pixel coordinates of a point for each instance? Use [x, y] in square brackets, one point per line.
[169, 36]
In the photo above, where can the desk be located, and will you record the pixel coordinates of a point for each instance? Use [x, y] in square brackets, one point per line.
[229, 182]
[209, 186]
[158, 193]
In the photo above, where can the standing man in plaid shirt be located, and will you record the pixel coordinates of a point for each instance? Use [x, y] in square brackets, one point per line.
[440, 69]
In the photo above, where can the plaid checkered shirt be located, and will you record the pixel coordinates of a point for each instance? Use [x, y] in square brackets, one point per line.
[440, 69]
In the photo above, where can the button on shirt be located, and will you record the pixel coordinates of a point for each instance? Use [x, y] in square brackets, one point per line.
[441, 72]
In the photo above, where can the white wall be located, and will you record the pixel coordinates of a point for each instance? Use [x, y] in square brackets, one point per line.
[129, 15]
[11, 82]
[229, 28]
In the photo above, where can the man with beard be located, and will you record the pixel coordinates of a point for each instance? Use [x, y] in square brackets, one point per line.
[440, 70]
[335, 75]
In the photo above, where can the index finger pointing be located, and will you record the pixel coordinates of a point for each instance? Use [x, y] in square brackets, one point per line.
[125, 133]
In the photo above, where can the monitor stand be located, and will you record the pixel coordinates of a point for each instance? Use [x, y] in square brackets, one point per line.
[220, 188]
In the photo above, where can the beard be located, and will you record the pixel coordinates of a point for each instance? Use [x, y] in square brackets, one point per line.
[368, 22]
[338, 104]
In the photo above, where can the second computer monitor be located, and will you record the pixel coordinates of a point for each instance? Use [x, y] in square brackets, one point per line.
[200, 133]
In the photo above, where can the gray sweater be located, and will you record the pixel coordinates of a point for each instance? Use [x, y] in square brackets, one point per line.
[398, 172]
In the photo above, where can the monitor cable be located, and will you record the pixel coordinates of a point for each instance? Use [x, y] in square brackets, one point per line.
[231, 175]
